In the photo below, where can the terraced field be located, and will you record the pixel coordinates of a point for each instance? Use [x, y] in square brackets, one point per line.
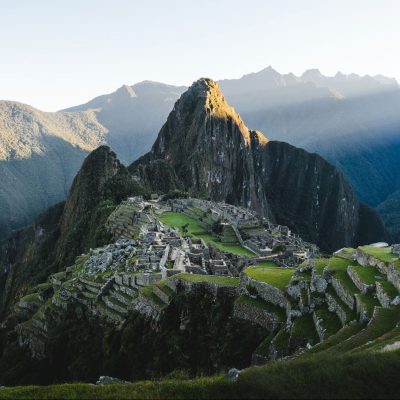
[219, 280]
[273, 275]
[195, 229]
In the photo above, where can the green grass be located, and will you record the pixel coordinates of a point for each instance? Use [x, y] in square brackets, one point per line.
[343, 334]
[162, 285]
[347, 252]
[351, 376]
[384, 320]
[304, 327]
[218, 280]
[275, 276]
[267, 264]
[331, 321]
[260, 303]
[31, 298]
[320, 264]
[351, 314]
[368, 301]
[367, 274]
[390, 290]
[381, 253]
[281, 341]
[147, 291]
[40, 286]
[338, 268]
[229, 248]
[177, 220]
[388, 338]
[264, 346]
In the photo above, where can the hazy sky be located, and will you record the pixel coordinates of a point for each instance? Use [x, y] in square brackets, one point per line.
[59, 53]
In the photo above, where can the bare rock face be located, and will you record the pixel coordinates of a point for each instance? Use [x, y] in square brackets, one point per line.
[206, 149]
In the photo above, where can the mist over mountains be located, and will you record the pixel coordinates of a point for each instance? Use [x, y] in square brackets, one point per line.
[352, 121]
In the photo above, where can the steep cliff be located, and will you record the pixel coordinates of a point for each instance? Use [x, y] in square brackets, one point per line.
[205, 149]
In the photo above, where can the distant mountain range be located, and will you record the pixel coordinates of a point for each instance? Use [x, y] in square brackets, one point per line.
[352, 121]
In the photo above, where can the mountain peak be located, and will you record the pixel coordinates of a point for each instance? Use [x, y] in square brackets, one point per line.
[125, 91]
[206, 95]
[206, 88]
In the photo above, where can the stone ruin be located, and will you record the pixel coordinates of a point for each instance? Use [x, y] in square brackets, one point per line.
[110, 257]
[396, 249]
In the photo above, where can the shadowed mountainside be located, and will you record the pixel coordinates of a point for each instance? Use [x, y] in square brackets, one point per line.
[205, 149]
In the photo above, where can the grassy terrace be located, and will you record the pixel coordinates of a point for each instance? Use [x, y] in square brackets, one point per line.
[31, 298]
[331, 321]
[338, 268]
[347, 252]
[343, 334]
[260, 303]
[390, 290]
[218, 280]
[320, 264]
[147, 291]
[264, 347]
[194, 229]
[162, 285]
[281, 340]
[368, 301]
[384, 321]
[267, 264]
[368, 274]
[275, 276]
[351, 314]
[304, 327]
[382, 253]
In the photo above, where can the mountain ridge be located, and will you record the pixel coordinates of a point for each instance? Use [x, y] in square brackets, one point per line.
[205, 149]
[348, 132]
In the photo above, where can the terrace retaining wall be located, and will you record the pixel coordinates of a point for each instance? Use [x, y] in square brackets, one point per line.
[344, 295]
[256, 315]
[363, 287]
[265, 291]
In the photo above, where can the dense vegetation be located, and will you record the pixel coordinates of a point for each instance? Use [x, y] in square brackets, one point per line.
[351, 376]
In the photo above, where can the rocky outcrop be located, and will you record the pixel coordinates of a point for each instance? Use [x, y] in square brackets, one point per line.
[205, 149]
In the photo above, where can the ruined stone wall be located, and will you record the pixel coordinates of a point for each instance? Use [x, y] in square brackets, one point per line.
[161, 294]
[335, 307]
[265, 291]
[393, 276]
[363, 287]
[256, 315]
[382, 296]
[361, 310]
[365, 259]
[344, 295]
[318, 323]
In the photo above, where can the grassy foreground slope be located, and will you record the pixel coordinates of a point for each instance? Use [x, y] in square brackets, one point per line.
[369, 375]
